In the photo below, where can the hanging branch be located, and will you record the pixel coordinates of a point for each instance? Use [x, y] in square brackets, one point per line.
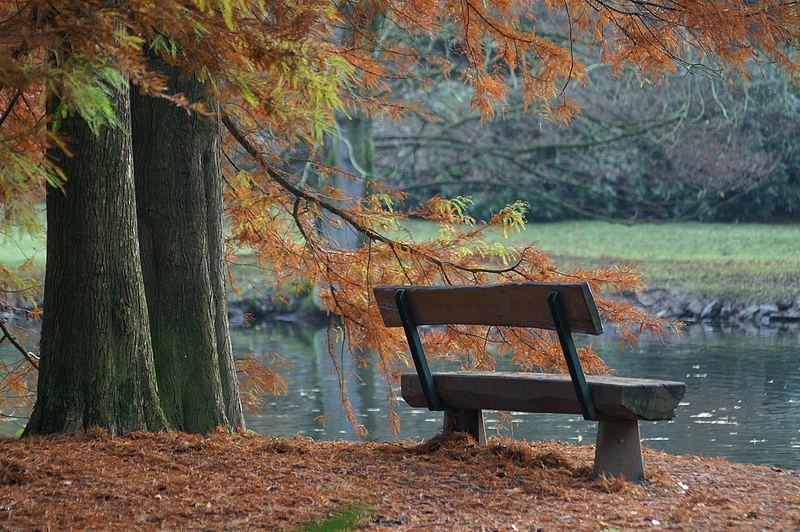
[370, 233]
[29, 356]
[10, 107]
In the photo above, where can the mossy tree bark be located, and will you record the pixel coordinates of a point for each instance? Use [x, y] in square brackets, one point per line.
[180, 214]
[96, 364]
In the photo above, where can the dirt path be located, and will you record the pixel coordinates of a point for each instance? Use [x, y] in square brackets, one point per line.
[147, 481]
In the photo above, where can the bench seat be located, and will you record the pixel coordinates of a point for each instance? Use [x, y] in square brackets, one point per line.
[615, 398]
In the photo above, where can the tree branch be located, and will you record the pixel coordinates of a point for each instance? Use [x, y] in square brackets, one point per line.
[10, 107]
[370, 233]
[30, 357]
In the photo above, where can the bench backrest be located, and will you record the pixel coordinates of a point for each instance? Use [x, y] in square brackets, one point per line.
[509, 304]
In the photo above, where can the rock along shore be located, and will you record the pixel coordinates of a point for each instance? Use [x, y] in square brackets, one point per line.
[684, 306]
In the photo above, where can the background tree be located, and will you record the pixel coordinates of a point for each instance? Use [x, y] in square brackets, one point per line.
[692, 147]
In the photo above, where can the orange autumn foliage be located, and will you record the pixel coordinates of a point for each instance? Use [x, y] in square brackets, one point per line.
[281, 70]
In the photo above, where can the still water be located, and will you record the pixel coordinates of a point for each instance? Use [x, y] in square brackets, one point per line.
[742, 401]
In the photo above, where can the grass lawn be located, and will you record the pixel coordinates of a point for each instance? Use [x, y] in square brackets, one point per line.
[753, 261]
[750, 261]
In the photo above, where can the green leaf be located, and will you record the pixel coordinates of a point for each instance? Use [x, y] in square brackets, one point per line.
[227, 14]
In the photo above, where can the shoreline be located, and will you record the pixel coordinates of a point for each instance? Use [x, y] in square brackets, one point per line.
[669, 303]
[675, 304]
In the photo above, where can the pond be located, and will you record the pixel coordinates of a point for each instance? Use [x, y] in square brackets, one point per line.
[742, 401]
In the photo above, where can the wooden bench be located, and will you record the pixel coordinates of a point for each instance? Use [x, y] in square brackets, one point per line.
[617, 403]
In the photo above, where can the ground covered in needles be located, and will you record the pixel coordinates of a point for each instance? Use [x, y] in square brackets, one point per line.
[176, 480]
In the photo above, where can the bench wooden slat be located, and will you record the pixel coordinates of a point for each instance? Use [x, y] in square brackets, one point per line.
[508, 304]
[615, 398]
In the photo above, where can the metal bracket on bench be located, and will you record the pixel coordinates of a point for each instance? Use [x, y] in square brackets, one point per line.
[417, 352]
[571, 356]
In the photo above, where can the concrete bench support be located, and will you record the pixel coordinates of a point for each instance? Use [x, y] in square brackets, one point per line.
[618, 452]
[472, 423]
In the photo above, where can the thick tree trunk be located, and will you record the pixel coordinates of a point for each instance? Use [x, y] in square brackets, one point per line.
[97, 360]
[179, 199]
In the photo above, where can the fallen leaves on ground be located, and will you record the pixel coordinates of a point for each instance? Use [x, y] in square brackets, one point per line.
[238, 481]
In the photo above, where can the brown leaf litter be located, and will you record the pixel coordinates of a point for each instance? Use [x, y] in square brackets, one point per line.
[243, 481]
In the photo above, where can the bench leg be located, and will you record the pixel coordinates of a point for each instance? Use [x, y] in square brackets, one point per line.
[618, 452]
[469, 421]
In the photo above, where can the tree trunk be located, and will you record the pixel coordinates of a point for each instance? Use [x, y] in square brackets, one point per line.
[351, 152]
[96, 364]
[179, 199]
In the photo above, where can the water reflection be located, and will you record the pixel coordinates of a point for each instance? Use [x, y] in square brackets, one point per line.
[742, 397]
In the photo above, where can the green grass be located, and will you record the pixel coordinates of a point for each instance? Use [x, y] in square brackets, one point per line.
[343, 519]
[751, 261]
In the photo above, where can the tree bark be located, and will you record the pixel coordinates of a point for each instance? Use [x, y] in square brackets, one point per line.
[180, 213]
[96, 364]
